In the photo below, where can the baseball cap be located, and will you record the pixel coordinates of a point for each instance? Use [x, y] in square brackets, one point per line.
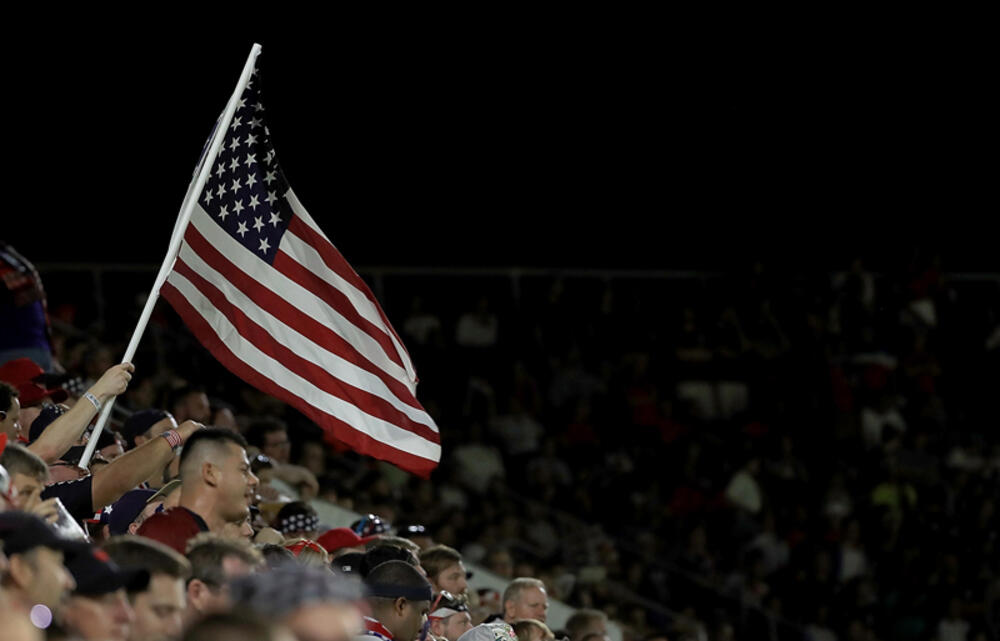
[342, 537]
[48, 414]
[31, 381]
[120, 514]
[494, 631]
[21, 532]
[446, 605]
[96, 574]
[139, 423]
[371, 524]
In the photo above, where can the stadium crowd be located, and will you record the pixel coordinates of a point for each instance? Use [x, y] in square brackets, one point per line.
[760, 455]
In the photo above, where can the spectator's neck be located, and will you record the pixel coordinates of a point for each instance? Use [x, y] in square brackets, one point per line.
[203, 502]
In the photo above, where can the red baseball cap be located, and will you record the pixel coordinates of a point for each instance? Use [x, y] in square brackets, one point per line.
[30, 381]
[342, 537]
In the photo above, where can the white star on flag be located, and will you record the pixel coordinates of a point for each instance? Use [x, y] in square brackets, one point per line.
[222, 212]
[234, 144]
[236, 123]
[242, 229]
[274, 219]
[208, 196]
[264, 246]
[271, 198]
[251, 179]
[238, 208]
[258, 223]
[254, 201]
[233, 165]
[236, 185]
[269, 177]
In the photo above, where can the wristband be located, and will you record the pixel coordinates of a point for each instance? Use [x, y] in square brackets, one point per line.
[173, 438]
[93, 399]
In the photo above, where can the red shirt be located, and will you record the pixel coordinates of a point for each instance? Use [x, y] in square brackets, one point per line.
[173, 527]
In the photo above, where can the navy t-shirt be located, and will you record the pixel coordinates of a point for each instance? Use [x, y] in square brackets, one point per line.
[77, 495]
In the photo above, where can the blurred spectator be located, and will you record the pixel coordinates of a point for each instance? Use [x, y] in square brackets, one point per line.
[585, 622]
[215, 562]
[445, 570]
[190, 404]
[313, 603]
[98, 609]
[532, 630]
[399, 598]
[159, 608]
[449, 617]
[525, 598]
[24, 319]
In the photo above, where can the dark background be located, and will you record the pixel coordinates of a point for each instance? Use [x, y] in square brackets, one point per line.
[565, 148]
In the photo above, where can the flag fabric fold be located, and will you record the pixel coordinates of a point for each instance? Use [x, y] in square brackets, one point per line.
[266, 292]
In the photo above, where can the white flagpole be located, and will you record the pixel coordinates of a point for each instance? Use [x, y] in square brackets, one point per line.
[187, 207]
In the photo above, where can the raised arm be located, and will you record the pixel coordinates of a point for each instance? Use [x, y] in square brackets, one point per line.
[135, 466]
[63, 433]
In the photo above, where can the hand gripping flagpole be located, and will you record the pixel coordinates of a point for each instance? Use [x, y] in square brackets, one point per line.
[187, 207]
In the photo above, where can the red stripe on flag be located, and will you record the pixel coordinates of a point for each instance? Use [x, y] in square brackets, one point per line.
[318, 376]
[335, 299]
[290, 315]
[334, 427]
[339, 265]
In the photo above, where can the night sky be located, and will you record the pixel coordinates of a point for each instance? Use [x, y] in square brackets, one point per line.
[617, 152]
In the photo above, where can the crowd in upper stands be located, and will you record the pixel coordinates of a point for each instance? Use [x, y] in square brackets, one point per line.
[759, 455]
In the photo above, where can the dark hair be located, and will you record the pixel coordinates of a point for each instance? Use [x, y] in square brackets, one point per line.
[7, 395]
[384, 554]
[396, 573]
[260, 428]
[276, 555]
[210, 435]
[147, 554]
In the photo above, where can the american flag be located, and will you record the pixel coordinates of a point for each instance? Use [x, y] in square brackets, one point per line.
[267, 293]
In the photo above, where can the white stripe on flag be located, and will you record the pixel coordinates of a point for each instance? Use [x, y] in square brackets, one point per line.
[295, 294]
[363, 305]
[247, 352]
[301, 345]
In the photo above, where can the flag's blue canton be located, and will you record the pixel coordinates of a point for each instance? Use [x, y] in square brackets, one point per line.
[245, 190]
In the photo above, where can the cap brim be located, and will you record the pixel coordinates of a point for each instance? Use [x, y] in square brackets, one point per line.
[163, 491]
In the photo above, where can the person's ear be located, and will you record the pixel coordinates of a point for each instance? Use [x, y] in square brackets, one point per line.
[399, 606]
[437, 627]
[209, 474]
[20, 570]
[508, 609]
[198, 594]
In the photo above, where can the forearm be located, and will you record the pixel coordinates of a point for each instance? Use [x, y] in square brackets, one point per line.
[129, 470]
[64, 432]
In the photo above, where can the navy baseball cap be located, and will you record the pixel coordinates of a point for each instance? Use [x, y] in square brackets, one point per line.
[96, 574]
[139, 423]
[120, 514]
[48, 414]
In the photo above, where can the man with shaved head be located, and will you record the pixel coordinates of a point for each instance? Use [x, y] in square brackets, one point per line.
[217, 488]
